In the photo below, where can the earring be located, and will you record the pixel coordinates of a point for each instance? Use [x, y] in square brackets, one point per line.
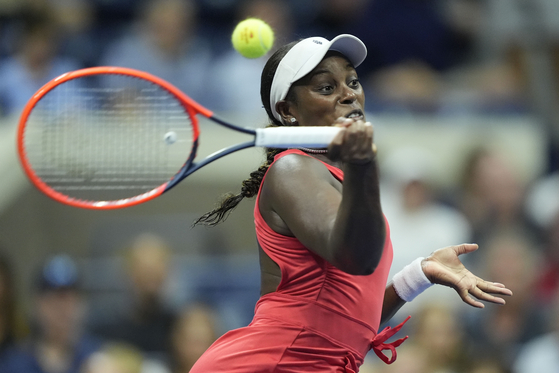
[293, 120]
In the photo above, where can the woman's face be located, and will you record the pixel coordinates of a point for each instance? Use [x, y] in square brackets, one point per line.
[330, 91]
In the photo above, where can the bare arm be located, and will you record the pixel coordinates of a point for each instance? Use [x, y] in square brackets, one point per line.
[345, 226]
[391, 304]
[358, 234]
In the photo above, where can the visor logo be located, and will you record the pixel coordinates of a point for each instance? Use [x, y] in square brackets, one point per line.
[317, 41]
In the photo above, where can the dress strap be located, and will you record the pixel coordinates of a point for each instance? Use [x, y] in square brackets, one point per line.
[379, 346]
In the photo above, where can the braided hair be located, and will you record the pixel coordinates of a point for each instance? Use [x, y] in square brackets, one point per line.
[251, 185]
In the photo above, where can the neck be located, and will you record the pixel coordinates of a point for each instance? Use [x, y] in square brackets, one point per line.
[321, 155]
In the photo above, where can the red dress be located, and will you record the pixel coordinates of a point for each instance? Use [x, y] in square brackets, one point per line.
[319, 319]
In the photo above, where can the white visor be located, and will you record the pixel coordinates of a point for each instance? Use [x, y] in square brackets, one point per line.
[305, 56]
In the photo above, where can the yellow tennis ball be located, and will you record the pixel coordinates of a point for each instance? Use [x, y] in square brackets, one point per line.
[252, 38]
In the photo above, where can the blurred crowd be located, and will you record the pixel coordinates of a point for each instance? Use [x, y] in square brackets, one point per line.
[444, 58]
[429, 55]
[139, 333]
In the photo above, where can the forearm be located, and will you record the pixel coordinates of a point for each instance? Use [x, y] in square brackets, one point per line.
[359, 234]
[391, 304]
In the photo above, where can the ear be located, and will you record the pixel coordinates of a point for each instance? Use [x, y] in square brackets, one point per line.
[285, 110]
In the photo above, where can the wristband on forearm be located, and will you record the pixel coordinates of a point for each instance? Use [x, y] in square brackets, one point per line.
[411, 281]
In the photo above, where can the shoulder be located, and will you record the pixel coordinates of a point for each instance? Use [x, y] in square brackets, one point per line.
[294, 169]
[296, 163]
[290, 189]
[295, 175]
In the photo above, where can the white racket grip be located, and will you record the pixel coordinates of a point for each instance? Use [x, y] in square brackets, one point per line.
[293, 137]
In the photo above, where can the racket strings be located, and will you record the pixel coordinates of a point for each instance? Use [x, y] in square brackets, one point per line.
[91, 139]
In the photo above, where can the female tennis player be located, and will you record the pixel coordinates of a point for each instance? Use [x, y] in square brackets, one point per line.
[325, 248]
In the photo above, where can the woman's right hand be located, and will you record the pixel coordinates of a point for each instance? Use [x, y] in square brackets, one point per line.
[354, 144]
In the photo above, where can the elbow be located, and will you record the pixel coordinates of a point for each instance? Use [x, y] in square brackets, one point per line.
[358, 269]
[364, 262]
[365, 267]
[363, 271]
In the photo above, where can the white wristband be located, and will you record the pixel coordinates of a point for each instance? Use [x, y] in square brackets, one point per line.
[411, 281]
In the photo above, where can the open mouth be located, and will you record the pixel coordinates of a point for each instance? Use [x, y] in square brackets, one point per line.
[355, 114]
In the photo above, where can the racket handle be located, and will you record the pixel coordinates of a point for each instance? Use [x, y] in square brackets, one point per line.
[293, 137]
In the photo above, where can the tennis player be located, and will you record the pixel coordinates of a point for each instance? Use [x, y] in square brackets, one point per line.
[325, 248]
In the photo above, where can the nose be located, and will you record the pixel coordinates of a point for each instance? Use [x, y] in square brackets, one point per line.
[348, 96]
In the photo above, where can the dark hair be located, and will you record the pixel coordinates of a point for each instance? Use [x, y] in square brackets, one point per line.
[251, 185]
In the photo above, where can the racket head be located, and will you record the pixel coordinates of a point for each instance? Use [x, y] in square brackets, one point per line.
[107, 137]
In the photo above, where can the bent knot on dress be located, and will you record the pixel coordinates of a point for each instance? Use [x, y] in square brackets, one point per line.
[378, 343]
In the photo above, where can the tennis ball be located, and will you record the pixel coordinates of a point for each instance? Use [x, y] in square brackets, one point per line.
[170, 137]
[252, 38]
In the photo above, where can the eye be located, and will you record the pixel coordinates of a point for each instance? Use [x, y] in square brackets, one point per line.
[326, 88]
[354, 83]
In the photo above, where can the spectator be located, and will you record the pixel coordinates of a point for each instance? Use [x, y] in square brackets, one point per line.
[541, 354]
[163, 41]
[36, 62]
[142, 319]
[439, 332]
[419, 221]
[492, 196]
[79, 39]
[396, 31]
[193, 332]
[59, 343]
[437, 344]
[412, 43]
[513, 62]
[512, 257]
[542, 204]
[75, 21]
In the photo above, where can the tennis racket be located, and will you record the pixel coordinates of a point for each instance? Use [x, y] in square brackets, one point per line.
[112, 137]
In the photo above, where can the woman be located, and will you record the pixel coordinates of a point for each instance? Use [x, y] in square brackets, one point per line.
[325, 246]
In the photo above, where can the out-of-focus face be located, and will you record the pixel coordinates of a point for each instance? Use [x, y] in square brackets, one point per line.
[330, 91]
[149, 269]
[39, 47]
[192, 335]
[60, 313]
[170, 24]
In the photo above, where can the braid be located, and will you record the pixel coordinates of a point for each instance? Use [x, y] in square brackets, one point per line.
[251, 185]
[249, 189]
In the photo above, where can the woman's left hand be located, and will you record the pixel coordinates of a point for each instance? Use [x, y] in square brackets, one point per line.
[445, 268]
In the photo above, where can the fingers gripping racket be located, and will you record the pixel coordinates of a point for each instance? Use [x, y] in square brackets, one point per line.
[111, 137]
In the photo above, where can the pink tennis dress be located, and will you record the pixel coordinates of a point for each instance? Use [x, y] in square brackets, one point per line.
[319, 319]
